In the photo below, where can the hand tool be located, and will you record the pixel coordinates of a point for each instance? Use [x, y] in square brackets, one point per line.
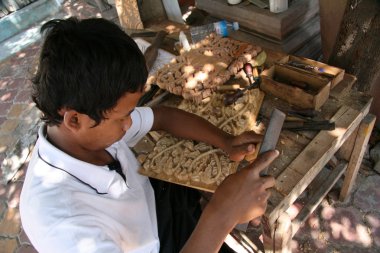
[271, 136]
[229, 99]
[315, 69]
[310, 113]
[150, 55]
[227, 87]
[296, 121]
[143, 34]
[309, 125]
[148, 95]
[151, 52]
[157, 99]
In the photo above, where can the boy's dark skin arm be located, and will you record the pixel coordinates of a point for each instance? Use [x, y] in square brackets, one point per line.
[189, 126]
[241, 197]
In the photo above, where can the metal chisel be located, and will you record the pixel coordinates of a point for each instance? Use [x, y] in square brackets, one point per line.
[272, 133]
[271, 136]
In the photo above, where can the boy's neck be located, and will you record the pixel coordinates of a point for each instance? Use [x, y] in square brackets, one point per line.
[62, 140]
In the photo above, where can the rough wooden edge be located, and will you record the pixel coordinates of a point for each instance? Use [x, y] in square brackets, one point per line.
[297, 189]
[317, 197]
[361, 142]
[343, 87]
[129, 15]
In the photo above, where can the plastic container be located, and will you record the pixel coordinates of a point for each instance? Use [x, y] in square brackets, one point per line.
[222, 28]
[277, 6]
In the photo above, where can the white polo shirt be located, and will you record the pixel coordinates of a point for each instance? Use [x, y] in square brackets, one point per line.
[68, 205]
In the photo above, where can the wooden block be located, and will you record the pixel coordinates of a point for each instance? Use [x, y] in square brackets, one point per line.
[343, 87]
[334, 74]
[275, 25]
[129, 15]
[195, 74]
[279, 241]
[280, 81]
[360, 146]
[290, 44]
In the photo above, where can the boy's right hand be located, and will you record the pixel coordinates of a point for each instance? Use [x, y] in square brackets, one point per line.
[243, 196]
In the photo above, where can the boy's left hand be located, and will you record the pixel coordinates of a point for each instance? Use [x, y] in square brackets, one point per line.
[237, 147]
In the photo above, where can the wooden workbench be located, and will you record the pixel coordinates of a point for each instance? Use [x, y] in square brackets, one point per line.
[304, 155]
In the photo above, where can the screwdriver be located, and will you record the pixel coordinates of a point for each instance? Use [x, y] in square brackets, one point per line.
[229, 99]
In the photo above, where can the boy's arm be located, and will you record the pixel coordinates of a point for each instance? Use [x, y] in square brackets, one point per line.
[190, 126]
[240, 198]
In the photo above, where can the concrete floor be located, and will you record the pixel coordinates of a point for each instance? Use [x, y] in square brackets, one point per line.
[352, 226]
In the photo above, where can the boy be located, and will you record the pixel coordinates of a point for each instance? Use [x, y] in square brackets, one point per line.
[82, 192]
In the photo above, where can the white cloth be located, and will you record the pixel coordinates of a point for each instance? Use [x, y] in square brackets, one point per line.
[68, 205]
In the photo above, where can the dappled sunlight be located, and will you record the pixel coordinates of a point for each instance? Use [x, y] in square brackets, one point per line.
[172, 29]
[344, 224]
[26, 38]
[334, 226]
[15, 161]
[328, 212]
[338, 132]
[348, 43]
[21, 55]
[80, 7]
[13, 216]
[3, 148]
[208, 67]
[293, 210]
[6, 96]
[313, 222]
[350, 232]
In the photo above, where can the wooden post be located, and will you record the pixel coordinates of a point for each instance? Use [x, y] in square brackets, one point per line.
[361, 141]
[129, 15]
[280, 236]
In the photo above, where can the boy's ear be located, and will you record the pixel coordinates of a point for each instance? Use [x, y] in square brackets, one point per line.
[71, 119]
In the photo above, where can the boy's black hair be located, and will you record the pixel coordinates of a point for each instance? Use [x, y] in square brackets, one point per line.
[85, 65]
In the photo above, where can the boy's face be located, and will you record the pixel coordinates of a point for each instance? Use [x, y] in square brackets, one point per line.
[117, 121]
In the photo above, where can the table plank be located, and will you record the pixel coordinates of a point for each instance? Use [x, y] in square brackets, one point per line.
[299, 174]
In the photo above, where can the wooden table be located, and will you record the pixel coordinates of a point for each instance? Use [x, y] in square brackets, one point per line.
[304, 155]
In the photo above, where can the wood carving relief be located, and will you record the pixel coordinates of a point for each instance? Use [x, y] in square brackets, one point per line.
[211, 62]
[199, 165]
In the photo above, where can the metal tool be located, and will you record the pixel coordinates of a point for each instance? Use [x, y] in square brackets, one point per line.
[271, 136]
[302, 120]
[309, 113]
[150, 55]
[311, 125]
[143, 34]
[157, 99]
[151, 52]
[254, 82]
[272, 133]
[308, 67]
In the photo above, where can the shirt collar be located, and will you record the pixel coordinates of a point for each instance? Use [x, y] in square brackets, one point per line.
[100, 178]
